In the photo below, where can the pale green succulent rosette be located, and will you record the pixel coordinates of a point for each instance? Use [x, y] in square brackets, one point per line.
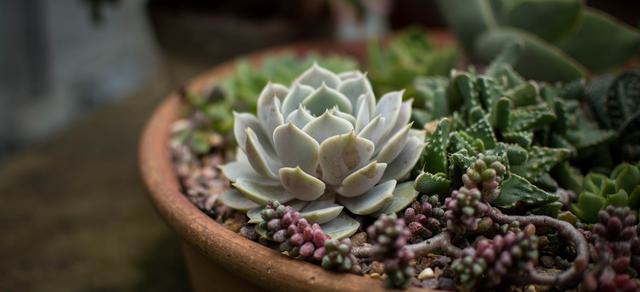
[324, 144]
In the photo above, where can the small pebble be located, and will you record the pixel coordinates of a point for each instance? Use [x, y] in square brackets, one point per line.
[426, 274]
[547, 261]
[446, 284]
[359, 239]
[377, 267]
[431, 284]
[375, 276]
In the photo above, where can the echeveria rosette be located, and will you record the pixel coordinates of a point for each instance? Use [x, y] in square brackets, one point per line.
[323, 144]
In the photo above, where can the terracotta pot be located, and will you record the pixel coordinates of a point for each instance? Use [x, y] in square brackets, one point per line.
[219, 259]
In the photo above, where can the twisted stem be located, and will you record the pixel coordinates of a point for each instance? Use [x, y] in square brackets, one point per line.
[441, 242]
[564, 229]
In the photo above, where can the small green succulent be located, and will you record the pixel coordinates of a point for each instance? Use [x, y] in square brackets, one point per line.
[407, 55]
[322, 145]
[621, 188]
[211, 111]
[564, 39]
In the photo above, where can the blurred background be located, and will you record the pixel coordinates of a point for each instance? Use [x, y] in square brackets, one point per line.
[78, 80]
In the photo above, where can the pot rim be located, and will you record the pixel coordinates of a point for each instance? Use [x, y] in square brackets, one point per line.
[261, 265]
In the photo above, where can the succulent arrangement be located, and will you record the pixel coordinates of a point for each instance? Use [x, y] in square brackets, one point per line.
[561, 37]
[498, 182]
[325, 143]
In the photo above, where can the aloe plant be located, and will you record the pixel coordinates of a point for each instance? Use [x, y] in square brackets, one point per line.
[563, 39]
[615, 102]
[533, 128]
[621, 188]
[322, 145]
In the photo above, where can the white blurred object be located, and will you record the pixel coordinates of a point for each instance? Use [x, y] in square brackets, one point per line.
[56, 62]
[372, 23]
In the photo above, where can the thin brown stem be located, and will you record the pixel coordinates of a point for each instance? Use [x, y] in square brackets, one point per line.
[564, 229]
[441, 242]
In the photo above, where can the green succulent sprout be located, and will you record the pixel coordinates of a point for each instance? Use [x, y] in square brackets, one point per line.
[323, 145]
[620, 189]
[409, 54]
[561, 37]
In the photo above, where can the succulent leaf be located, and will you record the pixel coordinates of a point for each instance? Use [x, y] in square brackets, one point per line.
[295, 97]
[432, 184]
[355, 87]
[234, 199]
[302, 185]
[242, 121]
[403, 196]
[261, 193]
[341, 227]
[325, 98]
[296, 148]
[517, 192]
[614, 41]
[321, 210]
[435, 153]
[560, 17]
[362, 179]
[242, 169]
[389, 108]
[396, 143]
[372, 200]
[259, 159]
[341, 155]
[482, 130]
[374, 130]
[299, 117]
[315, 76]
[327, 125]
[401, 167]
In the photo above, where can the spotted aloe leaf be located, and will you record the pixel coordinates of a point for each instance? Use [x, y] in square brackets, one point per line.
[530, 117]
[540, 160]
[517, 192]
[435, 154]
[431, 184]
[482, 130]
[522, 138]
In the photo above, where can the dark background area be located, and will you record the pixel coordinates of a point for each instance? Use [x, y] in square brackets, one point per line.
[78, 80]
